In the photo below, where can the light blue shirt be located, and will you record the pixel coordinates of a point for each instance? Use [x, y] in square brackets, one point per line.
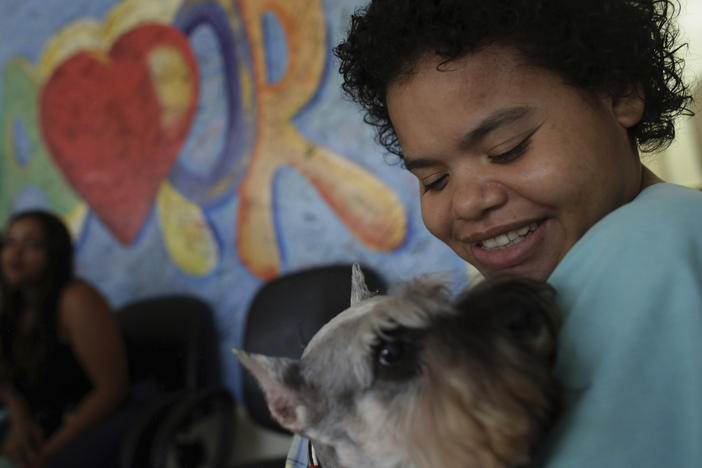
[630, 350]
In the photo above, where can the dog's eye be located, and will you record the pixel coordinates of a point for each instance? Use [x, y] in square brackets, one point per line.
[390, 352]
[396, 353]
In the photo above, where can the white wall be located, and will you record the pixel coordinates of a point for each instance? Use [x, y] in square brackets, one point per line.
[682, 161]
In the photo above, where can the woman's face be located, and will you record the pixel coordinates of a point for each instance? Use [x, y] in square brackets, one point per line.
[513, 164]
[24, 256]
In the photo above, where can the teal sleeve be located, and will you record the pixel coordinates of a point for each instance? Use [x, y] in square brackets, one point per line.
[630, 350]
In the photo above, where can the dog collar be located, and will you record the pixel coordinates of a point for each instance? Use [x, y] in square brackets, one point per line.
[312, 461]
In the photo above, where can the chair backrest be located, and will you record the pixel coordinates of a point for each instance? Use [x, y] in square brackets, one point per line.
[285, 314]
[172, 340]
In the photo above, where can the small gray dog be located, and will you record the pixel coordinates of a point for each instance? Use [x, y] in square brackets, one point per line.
[413, 379]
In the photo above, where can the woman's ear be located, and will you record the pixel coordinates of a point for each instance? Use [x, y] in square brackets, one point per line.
[628, 106]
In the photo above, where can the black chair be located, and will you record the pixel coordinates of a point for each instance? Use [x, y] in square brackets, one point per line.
[284, 315]
[172, 350]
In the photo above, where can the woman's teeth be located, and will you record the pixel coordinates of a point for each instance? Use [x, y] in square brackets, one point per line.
[509, 238]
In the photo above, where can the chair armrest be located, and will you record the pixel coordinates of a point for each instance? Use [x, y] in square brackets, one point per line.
[138, 441]
[198, 426]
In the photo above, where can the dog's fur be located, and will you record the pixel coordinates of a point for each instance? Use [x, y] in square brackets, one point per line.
[414, 380]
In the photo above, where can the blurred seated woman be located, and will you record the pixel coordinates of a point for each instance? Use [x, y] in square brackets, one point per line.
[64, 366]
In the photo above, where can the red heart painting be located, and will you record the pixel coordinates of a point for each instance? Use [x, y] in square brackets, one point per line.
[114, 122]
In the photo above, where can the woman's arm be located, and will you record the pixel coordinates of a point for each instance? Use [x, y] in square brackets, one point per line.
[25, 437]
[90, 328]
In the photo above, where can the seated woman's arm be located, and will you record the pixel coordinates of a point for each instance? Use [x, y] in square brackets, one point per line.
[90, 328]
[24, 439]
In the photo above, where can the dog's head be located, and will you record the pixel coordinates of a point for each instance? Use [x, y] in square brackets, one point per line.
[415, 379]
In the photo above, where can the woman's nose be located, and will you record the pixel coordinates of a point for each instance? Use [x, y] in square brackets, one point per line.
[472, 200]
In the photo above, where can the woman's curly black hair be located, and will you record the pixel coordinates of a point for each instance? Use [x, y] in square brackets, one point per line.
[595, 45]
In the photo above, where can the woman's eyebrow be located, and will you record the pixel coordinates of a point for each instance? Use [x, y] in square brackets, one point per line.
[497, 119]
[412, 164]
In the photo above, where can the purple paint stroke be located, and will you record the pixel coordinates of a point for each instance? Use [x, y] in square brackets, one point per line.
[219, 182]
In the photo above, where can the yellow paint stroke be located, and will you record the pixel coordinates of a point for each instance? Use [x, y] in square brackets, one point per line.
[75, 219]
[88, 34]
[173, 83]
[247, 103]
[187, 234]
[369, 209]
[131, 13]
[77, 36]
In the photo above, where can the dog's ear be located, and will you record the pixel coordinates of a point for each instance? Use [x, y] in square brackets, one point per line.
[359, 290]
[524, 308]
[528, 308]
[282, 382]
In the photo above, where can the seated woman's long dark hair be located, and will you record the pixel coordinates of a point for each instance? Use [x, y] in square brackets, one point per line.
[26, 351]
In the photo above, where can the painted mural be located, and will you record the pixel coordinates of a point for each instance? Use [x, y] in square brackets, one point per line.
[200, 146]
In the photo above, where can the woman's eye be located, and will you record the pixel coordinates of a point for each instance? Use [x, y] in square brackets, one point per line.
[435, 184]
[514, 153]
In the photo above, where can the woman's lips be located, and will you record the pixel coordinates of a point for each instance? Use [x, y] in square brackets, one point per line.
[508, 238]
[509, 248]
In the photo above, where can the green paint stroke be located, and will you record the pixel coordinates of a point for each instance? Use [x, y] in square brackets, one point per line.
[20, 106]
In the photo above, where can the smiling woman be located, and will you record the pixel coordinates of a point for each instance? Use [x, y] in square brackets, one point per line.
[523, 122]
[493, 144]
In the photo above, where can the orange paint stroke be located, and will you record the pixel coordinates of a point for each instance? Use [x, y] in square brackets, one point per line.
[370, 210]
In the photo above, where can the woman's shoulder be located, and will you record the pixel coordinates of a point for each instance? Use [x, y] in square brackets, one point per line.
[79, 291]
[80, 300]
[659, 209]
[641, 245]
[662, 220]
[664, 202]
[79, 287]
